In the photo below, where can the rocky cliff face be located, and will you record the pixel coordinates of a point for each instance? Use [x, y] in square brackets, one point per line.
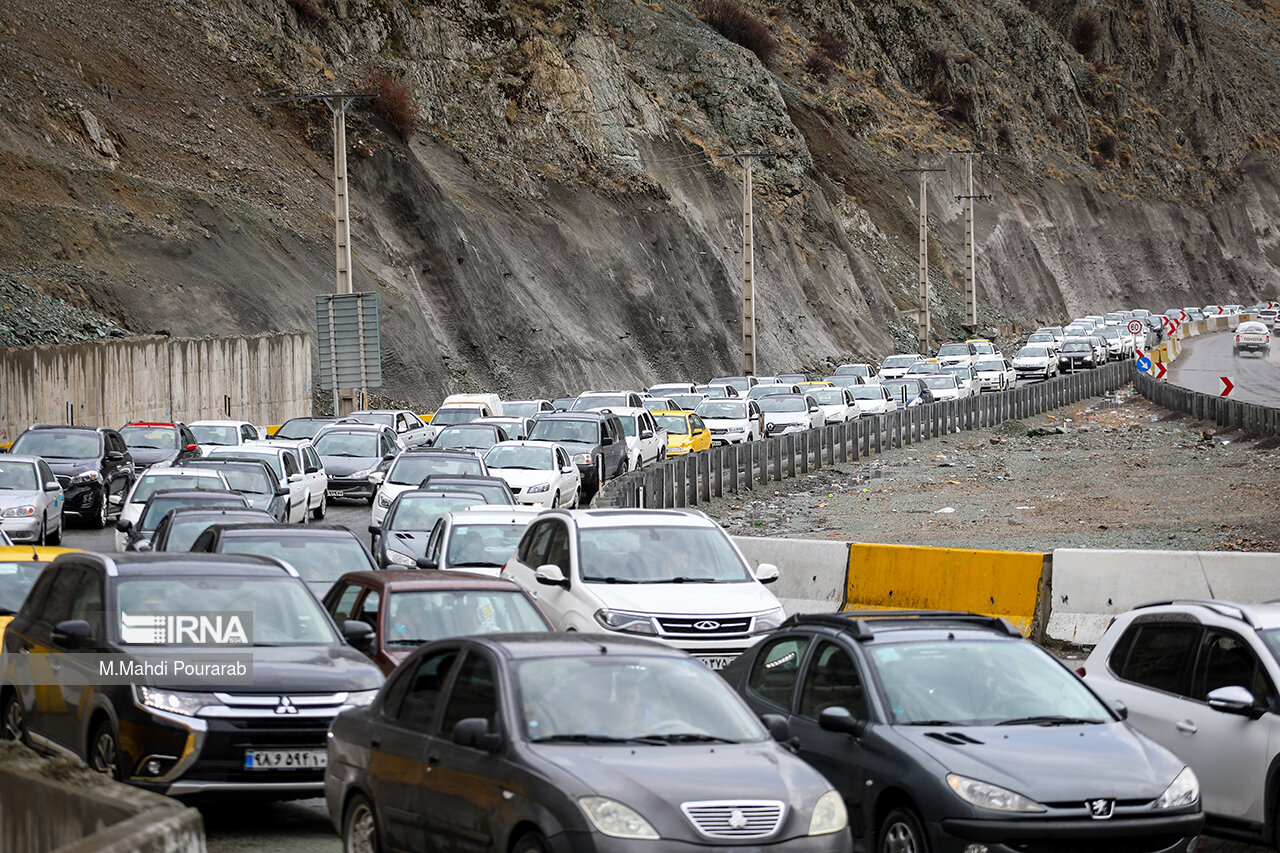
[568, 212]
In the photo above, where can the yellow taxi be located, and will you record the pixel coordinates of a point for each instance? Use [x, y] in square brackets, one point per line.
[686, 432]
[819, 383]
[20, 565]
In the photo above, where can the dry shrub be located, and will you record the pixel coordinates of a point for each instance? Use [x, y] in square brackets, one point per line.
[936, 60]
[729, 19]
[1098, 161]
[1058, 121]
[962, 103]
[819, 66]
[1086, 32]
[394, 101]
[309, 11]
[879, 77]
[1107, 146]
[831, 45]
[1004, 135]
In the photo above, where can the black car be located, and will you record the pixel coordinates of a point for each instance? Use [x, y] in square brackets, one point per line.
[356, 457]
[400, 541]
[206, 735]
[532, 743]
[908, 392]
[159, 443]
[252, 478]
[596, 443]
[296, 428]
[950, 732]
[180, 527]
[494, 490]
[320, 554]
[93, 465]
[1076, 355]
[138, 534]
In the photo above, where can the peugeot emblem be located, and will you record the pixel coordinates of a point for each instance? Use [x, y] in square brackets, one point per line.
[708, 625]
[737, 820]
[1101, 809]
[285, 706]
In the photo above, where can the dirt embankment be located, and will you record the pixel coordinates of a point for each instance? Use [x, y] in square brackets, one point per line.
[1124, 474]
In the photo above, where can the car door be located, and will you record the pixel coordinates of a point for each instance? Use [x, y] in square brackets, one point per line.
[313, 471]
[118, 469]
[615, 452]
[756, 414]
[341, 600]
[699, 434]
[47, 706]
[299, 491]
[549, 544]
[567, 477]
[55, 497]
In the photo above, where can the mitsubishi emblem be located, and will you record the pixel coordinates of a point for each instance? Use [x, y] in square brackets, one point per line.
[285, 706]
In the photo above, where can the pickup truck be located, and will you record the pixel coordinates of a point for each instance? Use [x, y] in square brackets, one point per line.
[646, 441]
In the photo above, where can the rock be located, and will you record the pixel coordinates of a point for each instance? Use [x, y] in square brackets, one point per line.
[98, 135]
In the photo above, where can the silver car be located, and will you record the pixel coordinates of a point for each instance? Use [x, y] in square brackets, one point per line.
[30, 500]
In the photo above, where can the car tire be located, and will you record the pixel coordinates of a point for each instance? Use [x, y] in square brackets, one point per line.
[55, 538]
[360, 827]
[12, 726]
[104, 750]
[555, 501]
[42, 539]
[530, 842]
[319, 512]
[100, 518]
[902, 832]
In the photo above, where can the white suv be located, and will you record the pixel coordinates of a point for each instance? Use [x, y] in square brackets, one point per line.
[670, 575]
[1200, 677]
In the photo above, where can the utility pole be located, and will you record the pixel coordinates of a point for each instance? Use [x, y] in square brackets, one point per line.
[970, 281]
[922, 319]
[748, 274]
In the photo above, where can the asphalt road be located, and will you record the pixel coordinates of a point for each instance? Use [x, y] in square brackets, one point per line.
[1204, 360]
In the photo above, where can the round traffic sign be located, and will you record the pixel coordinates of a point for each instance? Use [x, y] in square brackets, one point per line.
[1135, 327]
[1144, 365]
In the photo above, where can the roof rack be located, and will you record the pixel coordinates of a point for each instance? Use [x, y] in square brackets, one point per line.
[858, 620]
[1222, 608]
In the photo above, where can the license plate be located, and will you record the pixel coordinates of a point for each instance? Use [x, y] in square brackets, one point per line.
[717, 662]
[334, 493]
[285, 759]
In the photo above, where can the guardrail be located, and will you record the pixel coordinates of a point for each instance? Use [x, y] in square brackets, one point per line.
[699, 477]
[1252, 418]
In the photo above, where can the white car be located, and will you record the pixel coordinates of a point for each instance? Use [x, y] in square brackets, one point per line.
[516, 427]
[950, 355]
[895, 366]
[408, 427]
[1035, 360]
[789, 413]
[674, 577]
[454, 414]
[837, 404]
[944, 387]
[411, 467]
[283, 461]
[966, 378]
[866, 371]
[873, 399]
[211, 434]
[668, 388]
[478, 539]
[588, 400]
[646, 440]
[156, 479]
[732, 420]
[1252, 336]
[995, 374]
[526, 408]
[1043, 339]
[539, 473]
[313, 473]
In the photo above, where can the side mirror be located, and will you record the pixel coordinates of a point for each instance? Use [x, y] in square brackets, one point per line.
[389, 455]
[282, 491]
[71, 633]
[142, 546]
[311, 469]
[779, 728]
[646, 434]
[474, 732]
[296, 478]
[551, 575]
[377, 477]
[605, 441]
[767, 573]
[568, 469]
[424, 563]
[114, 456]
[1232, 700]
[124, 525]
[52, 486]
[358, 634]
[1121, 709]
[840, 720]
[375, 529]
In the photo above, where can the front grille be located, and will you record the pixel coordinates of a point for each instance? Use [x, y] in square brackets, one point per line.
[63, 481]
[703, 626]
[1140, 844]
[735, 819]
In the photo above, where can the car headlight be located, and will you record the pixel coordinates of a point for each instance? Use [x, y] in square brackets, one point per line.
[20, 511]
[1184, 790]
[770, 620]
[582, 459]
[360, 475]
[829, 815]
[383, 500]
[176, 701]
[86, 477]
[539, 488]
[360, 698]
[401, 559]
[988, 796]
[629, 623]
[611, 817]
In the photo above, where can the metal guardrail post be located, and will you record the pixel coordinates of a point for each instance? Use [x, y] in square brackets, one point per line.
[806, 447]
[704, 476]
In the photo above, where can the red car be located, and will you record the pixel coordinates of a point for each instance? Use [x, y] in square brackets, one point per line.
[407, 608]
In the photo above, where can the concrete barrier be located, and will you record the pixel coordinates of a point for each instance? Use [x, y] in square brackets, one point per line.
[1011, 584]
[1089, 587]
[811, 571]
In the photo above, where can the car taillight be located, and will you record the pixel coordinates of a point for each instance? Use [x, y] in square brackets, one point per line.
[1080, 671]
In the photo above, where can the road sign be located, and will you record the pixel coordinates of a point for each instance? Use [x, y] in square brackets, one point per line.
[1184, 317]
[1135, 327]
[1144, 365]
[1228, 386]
[1161, 370]
[347, 337]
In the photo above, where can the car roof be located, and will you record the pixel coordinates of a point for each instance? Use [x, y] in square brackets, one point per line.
[1261, 616]
[218, 423]
[170, 563]
[148, 424]
[216, 512]
[866, 625]
[530, 645]
[405, 579]
[594, 518]
[68, 427]
[524, 442]
[20, 457]
[290, 531]
[598, 417]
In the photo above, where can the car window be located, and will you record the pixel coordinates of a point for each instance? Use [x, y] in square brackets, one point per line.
[534, 546]
[368, 613]
[474, 694]
[558, 548]
[87, 603]
[290, 465]
[773, 675]
[1158, 656]
[1225, 660]
[46, 473]
[434, 540]
[832, 681]
[311, 459]
[422, 696]
[58, 605]
[697, 422]
[341, 610]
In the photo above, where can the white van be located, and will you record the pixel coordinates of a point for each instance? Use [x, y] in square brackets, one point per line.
[463, 409]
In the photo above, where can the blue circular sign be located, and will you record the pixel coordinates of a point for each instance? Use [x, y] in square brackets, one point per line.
[1144, 365]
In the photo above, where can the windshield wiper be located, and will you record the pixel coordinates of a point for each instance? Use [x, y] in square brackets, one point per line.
[1049, 720]
[586, 738]
[476, 563]
[930, 723]
[689, 737]
[347, 455]
[407, 642]
[686, 579]
[610, 579]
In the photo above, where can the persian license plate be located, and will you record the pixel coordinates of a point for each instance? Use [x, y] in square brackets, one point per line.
[285, 759]
[717, 661]
[334, 493]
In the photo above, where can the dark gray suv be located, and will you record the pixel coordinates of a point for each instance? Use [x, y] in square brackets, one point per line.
[595, 440]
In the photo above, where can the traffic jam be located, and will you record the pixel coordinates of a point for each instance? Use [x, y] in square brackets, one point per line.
[493, 664]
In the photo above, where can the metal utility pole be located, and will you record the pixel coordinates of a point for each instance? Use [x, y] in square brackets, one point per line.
[748, 274]
[970, 281]
[922, 318]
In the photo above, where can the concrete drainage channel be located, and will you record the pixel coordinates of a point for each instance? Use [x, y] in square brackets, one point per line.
[699, 477]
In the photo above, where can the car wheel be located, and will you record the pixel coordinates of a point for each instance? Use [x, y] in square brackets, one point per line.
[902, 832]
[12, 727]
[555, 500]
[100, 519]
[42, 539]
[55, 538]
[319, 512]
[530, 842]
[104, 750]
[636, 467]
[360, 827]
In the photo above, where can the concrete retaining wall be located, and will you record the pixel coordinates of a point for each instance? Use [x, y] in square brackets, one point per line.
[812, 571]
[265, 377]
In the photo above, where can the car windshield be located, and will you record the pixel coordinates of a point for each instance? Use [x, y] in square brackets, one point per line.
[16, 580]
[953, 349]
[659, 554]
[296, 428]
[410, 469]
[673, 424]
[319, 559]
[980, 682]
[247, 477]
[226, 435]
[921, 368]
[150, 437]
[418, 616]
[564, 429]
[383, 418]
[957, 371]
[896, 388]
[521, 408]
[1032, 352]
[493, 491]
[272, 458]
[688, 401]
[827, 396]
[713, 390]
[521, 456]
[769, 390]
[738, 383]
[359, 445]
[733, 409]
[285, 613]
[784, 403]
[1040, 339]
[419, 512]
[899, 361]
[853, 370]
[1077, 346]
[450, 415]
[158, 506]
[466, 438]
[18, 477]
[867, 392]
[596, 401]
[1110, 333]
[989, 366]
[621, 697]
[183, 533]
[482, 545]
[59, 444]
[943, 381]
[985, 348]
[148, 484]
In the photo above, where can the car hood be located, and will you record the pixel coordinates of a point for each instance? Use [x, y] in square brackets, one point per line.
[71, 467]
[575, 447]
[727, 423]
[691, 599]
[411, 542]
[19, 498]
[518, 479]
[786, 417]
[341, 466]
[142, 457]
[316, 668]
[1053, 763]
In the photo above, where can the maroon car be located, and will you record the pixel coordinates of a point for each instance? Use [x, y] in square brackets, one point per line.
[409, 607]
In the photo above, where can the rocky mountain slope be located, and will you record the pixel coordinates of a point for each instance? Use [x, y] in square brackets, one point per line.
[567, 212]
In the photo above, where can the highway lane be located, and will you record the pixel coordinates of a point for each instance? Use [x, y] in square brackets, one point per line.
[1204, 360]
